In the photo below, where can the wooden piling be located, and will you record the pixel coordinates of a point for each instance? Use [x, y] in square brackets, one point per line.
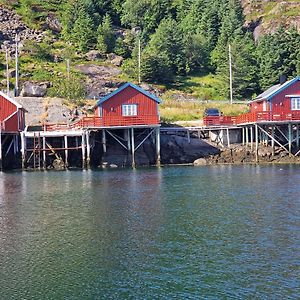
[132, 148]
[66, 151]
[256, 143]
[88, 149]
[157, 146]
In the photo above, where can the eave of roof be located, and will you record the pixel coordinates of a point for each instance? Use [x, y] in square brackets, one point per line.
[18, 105]
[123, 87]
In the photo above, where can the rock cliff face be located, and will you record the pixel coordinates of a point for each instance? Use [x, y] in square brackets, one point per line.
[10, 25]
[266, 16]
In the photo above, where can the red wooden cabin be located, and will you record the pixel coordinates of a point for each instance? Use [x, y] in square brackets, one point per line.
[127, 106]
[12, 115]
[280, 102]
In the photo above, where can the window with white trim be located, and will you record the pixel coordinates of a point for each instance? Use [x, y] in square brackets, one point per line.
[100, 111]
[295, 103]
[129, 110]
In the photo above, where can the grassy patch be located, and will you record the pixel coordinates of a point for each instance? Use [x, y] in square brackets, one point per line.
[172, 111]
[206, 87]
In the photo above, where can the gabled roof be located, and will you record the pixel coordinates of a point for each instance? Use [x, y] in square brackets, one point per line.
[274, 90]
[18, 105]
[123, 87]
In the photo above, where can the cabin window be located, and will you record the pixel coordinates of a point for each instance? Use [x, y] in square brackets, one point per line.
[295, 103]
[100, 111]
[129, 110]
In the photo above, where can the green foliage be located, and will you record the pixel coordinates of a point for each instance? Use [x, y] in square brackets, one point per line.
[278, 54]
[70, 88]
[40, 51]
[105, 36]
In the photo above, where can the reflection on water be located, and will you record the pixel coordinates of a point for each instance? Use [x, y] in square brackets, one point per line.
[212, 232]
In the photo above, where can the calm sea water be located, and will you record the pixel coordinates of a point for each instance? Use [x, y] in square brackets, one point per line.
[229, 232]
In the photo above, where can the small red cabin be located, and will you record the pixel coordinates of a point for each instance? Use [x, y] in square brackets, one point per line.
[12, 115]
[128, 106]
[279, 99]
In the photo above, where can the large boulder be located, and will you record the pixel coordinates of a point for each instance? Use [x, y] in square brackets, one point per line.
[93, 55]
[117, 61]
[33, 89]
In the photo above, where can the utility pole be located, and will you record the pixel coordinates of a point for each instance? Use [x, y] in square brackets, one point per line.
[139, 60]
[17, 66]
[68, 76]
[230, 75]
[7, 69]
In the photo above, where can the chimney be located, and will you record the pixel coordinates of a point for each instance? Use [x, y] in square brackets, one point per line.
[282, 79]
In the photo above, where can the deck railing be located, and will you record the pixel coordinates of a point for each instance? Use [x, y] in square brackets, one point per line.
[94, 121]
[219, 120]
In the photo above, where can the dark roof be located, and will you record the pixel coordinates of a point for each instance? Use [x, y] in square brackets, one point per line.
[124, 86]
[274, 90]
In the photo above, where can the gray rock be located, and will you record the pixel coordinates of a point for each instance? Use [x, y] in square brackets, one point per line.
[58, 164]
[93, 55]
[31, 89]
[200, 162]
[113, 166]
[117, 61]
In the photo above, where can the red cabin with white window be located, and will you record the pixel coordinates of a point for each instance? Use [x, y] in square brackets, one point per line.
[12, 115]
[281, 99]
[128, 106]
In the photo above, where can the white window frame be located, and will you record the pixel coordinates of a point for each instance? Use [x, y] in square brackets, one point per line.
[129, 110]
[295, 103]
[100, 111]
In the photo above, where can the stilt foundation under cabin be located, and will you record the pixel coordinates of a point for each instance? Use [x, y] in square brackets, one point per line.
[87, 147]
[9, 150]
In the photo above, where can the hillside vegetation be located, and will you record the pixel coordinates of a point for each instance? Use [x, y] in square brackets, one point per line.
[184, 44]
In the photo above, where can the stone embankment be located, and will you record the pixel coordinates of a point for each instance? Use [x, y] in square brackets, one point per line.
[240, 154]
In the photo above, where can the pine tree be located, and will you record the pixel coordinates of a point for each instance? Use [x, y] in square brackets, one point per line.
[106, 37]
[83, 34]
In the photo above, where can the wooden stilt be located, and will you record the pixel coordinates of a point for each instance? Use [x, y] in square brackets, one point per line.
[247, 136]
[83, 150]
[128, 139]
[256, 143]
[297, 136]
[251, 137]
[228, 138]
[66, 151]
[44, 153]
[290, 139]
[104, 140]
[243, 135]
[23, 149]
[272, 140]
[132, 148]
[158, 146]
[88, 149]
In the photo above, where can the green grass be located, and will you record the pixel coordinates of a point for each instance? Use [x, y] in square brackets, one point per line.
[207, 87]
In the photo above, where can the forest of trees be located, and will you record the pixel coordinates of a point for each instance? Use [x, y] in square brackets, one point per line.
[183, 37]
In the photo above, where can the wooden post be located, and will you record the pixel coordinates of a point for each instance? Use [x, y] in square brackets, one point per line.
[44, 153]
[132, 148]
[290, 139]
[247, 136]
[272, 141]
[243, 135]
[256, 143]
[158, 146]
[104, 140]
[66, 151]
[23, 148]
[128, 138]
[251, 137]
[83, 150]
[228, 138]
[297, 136]
[88, 149]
